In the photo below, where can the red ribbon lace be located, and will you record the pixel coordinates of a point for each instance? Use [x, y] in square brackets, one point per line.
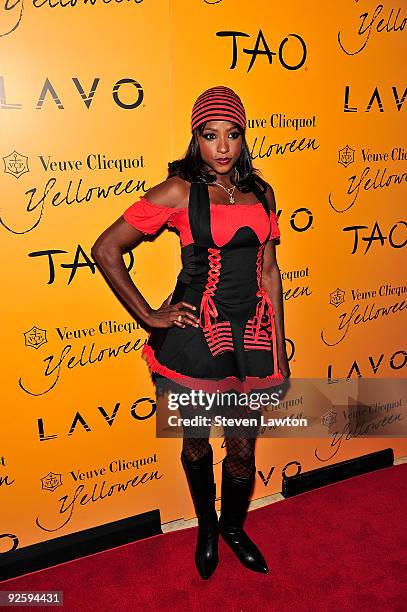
[208, 308]
[261, 309]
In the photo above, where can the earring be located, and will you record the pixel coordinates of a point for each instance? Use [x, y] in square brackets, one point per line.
[236, 175]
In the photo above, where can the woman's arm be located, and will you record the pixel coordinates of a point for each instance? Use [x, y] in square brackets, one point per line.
[117, 239]
[271, 281]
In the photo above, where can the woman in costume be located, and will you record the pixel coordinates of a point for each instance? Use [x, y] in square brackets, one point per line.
[222, 328]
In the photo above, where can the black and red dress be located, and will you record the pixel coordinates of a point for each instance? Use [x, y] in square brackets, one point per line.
[222, 259]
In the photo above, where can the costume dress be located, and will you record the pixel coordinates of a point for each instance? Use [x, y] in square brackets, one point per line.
[222, 247]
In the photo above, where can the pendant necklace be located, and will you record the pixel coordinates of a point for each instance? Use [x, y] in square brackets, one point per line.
[229, 191]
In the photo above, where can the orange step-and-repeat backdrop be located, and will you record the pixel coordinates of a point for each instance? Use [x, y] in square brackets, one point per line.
[95, 100]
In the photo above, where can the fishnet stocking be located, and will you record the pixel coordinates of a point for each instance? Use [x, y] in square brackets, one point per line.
[240, 440]
[239, 460]
[195, 444]
[195, 448]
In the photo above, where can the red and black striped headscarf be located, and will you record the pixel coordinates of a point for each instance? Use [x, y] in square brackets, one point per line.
[218, 104]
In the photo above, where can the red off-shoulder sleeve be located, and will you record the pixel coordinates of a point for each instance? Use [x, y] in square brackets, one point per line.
[148, 217]
[275, 230]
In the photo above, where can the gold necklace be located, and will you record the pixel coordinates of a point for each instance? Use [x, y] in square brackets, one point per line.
[229, 191]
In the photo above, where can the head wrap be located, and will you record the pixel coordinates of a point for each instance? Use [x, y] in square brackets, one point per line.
[218, 104]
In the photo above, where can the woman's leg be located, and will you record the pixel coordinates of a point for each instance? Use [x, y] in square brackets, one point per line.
[240, 439]
[240, 458]
[194, 449]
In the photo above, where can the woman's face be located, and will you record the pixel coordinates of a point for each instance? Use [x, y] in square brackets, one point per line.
[220, 144]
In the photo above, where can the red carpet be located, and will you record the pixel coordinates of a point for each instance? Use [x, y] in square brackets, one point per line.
[341, 547]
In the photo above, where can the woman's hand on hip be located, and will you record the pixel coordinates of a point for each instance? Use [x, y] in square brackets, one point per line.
[180, 314]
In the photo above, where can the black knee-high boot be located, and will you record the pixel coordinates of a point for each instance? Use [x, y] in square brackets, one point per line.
[234, 506]
[203, 491]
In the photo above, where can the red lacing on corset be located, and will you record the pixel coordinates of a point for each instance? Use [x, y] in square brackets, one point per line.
[261, 307]
[208, 307]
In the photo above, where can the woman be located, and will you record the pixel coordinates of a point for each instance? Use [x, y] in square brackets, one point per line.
[222, 328]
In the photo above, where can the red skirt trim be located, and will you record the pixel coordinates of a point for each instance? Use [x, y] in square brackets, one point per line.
[222, 384]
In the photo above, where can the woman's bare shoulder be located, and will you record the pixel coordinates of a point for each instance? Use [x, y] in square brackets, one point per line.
[173, 192]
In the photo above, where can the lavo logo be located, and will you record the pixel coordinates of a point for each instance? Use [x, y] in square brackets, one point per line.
[87, 97]
[265, 478]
